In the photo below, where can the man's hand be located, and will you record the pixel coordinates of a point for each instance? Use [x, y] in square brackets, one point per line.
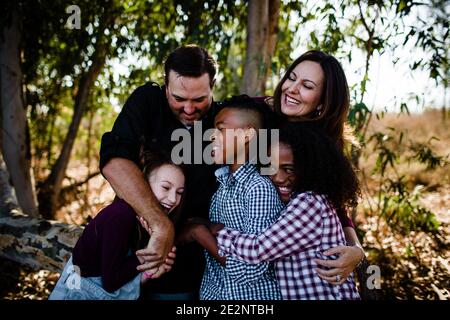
[349, 257]
[159, 271]
[130, 184]
[150, 268]
[148, 257]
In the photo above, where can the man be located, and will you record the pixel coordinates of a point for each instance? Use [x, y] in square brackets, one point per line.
[147, 120]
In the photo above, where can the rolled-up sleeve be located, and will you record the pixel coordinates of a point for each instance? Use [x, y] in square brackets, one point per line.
[126, 137]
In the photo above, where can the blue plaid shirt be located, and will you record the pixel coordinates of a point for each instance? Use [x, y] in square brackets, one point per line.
[247, 202]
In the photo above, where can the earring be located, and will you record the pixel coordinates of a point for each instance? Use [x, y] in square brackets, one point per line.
[319, 110]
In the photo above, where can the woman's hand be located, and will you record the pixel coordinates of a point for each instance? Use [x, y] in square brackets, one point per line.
[340, 269]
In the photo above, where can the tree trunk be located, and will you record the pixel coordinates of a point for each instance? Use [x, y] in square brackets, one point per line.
[51, 188]
[37, 243]
[274, 15]
[8, 200]
[15, 148]
[257, 47]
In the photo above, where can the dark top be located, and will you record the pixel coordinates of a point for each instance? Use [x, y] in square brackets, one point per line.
[108, 244]
[146, 119]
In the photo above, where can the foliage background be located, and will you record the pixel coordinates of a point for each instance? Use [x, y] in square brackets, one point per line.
[403, 219]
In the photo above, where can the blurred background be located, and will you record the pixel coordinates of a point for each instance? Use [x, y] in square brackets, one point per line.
[67, 67]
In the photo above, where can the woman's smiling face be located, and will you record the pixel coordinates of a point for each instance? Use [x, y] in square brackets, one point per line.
[284, 178]
[302, 90]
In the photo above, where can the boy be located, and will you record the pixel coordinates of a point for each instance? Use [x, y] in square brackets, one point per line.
[245, 200]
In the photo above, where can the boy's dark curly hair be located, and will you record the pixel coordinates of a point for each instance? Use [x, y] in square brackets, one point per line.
[320, 165]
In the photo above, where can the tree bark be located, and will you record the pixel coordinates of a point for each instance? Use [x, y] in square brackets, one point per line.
[8, 200]
[15, 148]
[274, 15]
[256, 52]
[37, 243]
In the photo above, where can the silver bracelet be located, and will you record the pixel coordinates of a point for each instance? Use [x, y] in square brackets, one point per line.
[363, 257]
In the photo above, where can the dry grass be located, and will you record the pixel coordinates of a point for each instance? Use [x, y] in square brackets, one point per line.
[414, 265]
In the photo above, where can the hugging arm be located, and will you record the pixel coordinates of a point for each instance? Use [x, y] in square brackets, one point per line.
[293, 232]
[263, 206]
[349, 256]
[119, 156]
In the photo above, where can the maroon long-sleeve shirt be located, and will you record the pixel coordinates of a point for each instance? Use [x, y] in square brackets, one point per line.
[107, 246]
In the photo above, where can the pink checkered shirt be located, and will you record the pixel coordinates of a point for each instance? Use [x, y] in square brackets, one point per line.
[305, 229]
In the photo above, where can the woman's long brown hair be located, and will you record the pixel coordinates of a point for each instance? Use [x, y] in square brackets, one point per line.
[335, 98]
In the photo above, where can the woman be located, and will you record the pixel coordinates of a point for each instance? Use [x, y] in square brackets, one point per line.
[314, 89]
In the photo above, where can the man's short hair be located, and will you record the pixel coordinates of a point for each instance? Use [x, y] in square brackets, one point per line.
[190, 61]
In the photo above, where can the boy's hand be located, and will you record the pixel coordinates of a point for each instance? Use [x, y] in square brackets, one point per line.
[214, 228]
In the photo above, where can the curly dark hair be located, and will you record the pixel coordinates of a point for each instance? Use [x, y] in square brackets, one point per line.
[320, 165]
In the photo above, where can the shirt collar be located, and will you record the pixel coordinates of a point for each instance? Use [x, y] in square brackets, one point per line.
[226, 178]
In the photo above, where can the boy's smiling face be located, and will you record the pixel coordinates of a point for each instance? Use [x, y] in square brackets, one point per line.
[231, 136]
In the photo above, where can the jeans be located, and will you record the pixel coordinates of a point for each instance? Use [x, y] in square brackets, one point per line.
[71, 286]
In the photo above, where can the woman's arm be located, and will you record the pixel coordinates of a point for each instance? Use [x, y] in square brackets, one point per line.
[298, 228]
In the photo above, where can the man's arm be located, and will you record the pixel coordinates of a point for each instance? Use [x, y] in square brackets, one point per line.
[129, 183]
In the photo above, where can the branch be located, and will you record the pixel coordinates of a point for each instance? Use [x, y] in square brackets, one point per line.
[80, 183]
[362, 17]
